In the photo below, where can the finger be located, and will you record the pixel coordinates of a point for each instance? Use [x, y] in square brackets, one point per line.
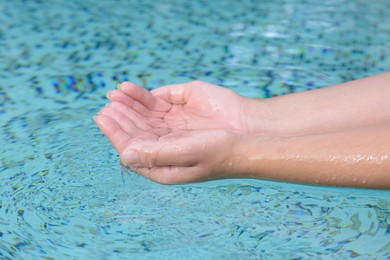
[172, 174]
[144, 97]
[153, 125]
[131, 116]
[114, 133]
[123, 121]
[118, 96]
[177, 93]
[159, 155]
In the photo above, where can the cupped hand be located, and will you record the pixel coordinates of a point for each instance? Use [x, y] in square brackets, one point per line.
[174, 134]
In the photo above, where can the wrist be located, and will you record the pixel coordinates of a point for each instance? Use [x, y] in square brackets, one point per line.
[265, 157]
[246, 156]
[261, 117]
[281, 116]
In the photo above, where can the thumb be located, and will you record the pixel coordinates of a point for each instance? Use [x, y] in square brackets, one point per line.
[158, 155]
[174, 94]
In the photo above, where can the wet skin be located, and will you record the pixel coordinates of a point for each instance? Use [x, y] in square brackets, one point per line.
[174, 134]
[198, 131]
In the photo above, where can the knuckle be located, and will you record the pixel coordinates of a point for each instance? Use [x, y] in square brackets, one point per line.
[148, 157]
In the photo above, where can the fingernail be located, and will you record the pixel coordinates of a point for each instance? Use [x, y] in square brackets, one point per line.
[131, 157]
[94, 118]
[117, 86]
[108, 93]
[106, 105]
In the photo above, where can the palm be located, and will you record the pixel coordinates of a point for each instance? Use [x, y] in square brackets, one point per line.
[136, 114]
[200, 106]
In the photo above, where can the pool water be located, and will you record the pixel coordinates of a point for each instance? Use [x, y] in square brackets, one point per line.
[62, 195]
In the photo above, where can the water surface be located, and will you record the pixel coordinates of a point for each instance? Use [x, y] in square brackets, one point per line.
[62, 194]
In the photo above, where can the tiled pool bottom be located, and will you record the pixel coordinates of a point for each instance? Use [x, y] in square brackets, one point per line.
[260, 48]
[61, 190]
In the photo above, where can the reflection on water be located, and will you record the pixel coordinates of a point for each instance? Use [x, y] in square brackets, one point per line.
[62, 194]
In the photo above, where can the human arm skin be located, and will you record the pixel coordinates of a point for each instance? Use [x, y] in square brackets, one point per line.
[356, 158]
[357, 103]
[198, 131]
[352, 158]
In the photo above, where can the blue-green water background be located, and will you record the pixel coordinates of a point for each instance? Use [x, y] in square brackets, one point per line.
[61, 190]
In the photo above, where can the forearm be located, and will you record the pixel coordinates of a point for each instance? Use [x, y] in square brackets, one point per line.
[357, 103]
[356, 158]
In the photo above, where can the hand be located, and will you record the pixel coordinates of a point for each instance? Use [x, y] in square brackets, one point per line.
[175, 134]
[198, 131]
[200, 105]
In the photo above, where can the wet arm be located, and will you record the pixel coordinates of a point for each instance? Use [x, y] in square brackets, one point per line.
[355, 158]
[353, 104]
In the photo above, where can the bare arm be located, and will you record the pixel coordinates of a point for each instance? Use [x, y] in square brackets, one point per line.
[355, 158]
[352, 104]
[197, 131]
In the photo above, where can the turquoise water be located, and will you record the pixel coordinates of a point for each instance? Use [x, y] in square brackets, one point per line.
[62, 194]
